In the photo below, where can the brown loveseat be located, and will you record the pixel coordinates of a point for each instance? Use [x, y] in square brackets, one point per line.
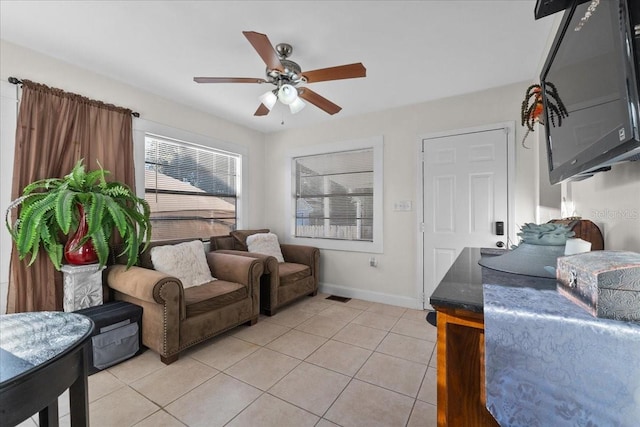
[281, 283]
[175, 318]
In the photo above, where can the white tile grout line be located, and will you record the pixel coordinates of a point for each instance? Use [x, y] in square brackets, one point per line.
[351, 378]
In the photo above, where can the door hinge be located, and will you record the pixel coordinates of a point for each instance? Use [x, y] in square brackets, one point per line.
[422, 227]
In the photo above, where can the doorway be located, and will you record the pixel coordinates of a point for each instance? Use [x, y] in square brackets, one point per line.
[467, 179]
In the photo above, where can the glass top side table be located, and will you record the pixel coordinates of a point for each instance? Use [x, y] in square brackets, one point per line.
[41, 355]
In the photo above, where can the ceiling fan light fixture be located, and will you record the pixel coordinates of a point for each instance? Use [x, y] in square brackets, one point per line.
[268, 99]
[296, 106]
[286, 76]
[287, 94]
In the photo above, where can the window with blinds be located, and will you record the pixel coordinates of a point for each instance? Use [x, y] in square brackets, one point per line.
[191, 189]
[334, 195]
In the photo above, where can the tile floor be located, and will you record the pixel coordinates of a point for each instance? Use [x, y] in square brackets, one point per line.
[315, 363]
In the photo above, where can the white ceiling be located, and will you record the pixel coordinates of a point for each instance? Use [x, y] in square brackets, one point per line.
[414, 51]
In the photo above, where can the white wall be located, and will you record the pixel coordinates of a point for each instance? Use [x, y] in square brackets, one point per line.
[609, 199]
[8, 112]
[549, 196]
[395, 279]
[23, 63]
[26, 64]
[612, 201]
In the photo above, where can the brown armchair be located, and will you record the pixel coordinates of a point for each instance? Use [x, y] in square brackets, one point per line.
[281, 283]
[175, 318]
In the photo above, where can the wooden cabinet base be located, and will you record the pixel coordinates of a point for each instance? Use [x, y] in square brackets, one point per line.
[461, 388]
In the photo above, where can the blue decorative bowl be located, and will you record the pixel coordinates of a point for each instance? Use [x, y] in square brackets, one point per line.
[526, 259]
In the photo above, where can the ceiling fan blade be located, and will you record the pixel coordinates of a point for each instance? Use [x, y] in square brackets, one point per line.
[228, 80]
[262, 110]
[349, 71]
[319, 101]
[263, 46]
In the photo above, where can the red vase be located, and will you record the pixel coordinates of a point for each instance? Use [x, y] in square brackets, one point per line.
[80, 255]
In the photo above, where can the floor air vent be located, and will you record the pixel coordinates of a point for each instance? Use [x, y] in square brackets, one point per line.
[337, 298]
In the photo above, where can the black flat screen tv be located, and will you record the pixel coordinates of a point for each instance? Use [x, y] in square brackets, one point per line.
[593, 66]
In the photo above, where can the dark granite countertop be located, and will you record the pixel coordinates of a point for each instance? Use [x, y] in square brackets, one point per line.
[461, 287]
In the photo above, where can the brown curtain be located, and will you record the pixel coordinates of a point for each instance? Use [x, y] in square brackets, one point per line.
[55, 130]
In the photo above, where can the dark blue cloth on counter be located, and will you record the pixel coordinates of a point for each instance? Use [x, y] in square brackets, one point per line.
[550, 363]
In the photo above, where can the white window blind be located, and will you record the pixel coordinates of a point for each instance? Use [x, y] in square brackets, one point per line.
[191, 189]
[334, 195]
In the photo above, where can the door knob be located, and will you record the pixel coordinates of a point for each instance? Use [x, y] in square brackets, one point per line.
[500, 244]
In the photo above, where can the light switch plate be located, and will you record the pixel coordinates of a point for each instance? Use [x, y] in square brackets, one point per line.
[402, 206]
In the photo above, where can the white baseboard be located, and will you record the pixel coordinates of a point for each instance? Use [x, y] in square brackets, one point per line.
[372, 296]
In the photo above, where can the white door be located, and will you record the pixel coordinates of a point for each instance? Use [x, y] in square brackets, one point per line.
[465, 192]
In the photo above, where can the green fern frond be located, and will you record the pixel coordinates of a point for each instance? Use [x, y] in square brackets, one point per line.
[132, 246]
[64, 214]
[101, 246]
[55, 254]
[32, 187]
[47, 211]
[77, 175]
[115, 212]
[29, 231]
[103, 182]
[52, 246]
[13, 228]
[145, 226]
[45, 236]
[33, 258]
[117, 190]
[144, 223]
[29, 239]
[32, 199]
[96, 212]
[141, 221]
[94, 178]
[43, 184]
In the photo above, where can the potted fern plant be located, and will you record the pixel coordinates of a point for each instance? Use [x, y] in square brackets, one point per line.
[82, 201]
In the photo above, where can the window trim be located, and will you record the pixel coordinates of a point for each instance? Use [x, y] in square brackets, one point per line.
[142, 127]
[376, 246]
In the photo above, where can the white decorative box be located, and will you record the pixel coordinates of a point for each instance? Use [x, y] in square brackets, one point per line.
[605, 283]
[82, 286]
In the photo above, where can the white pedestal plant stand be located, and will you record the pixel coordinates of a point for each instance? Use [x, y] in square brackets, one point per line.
[82, 286]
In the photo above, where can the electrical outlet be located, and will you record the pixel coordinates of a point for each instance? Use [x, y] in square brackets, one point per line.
[373, 262]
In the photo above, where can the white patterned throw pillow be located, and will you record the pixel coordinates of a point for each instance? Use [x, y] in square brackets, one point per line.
[186, 261]
[266, 244]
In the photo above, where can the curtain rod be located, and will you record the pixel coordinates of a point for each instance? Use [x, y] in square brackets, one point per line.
[16, 81]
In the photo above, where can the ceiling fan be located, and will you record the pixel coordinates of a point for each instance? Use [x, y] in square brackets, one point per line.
[288, 77]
